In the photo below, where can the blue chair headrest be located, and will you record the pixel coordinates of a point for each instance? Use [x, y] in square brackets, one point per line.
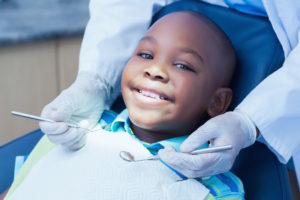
[258, 50]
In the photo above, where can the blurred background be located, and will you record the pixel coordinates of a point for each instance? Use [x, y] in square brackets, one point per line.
[39, 51]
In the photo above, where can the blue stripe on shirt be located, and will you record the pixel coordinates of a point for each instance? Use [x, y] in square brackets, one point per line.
[227, 181]
[208, 186]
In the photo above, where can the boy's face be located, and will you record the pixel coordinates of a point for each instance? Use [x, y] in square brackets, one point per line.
[167, 84]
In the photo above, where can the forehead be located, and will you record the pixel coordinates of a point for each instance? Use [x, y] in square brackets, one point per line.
[187, 30]
[182, 25]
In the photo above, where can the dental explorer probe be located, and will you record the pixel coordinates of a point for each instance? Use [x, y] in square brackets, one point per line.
[127, 156]
[38, 118]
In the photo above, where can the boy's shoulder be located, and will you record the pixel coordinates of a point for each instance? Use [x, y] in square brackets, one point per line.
[224, 186]
[107, 118]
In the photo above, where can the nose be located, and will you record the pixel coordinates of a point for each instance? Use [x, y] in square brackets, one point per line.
[156, 72]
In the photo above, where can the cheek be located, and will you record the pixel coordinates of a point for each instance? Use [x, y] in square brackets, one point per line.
[132, 68]
[125, 82]
[187, 88]
[191, 95]
[129, 72]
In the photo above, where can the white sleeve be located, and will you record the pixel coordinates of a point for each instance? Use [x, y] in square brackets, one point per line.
[274, 104]
[112, 33]
[274, 107]
[285, 20]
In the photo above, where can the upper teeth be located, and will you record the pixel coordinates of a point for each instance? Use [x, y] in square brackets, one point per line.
[150, 94]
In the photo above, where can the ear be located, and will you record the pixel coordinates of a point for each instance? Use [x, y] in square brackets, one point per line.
[220, 102]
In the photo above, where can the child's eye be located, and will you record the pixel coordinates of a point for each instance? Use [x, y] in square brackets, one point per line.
[144, 55]
[183, 66]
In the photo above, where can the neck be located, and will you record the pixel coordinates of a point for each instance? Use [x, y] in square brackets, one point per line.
[150, 136]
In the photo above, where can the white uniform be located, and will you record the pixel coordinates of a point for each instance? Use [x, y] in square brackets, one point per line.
[115, 28]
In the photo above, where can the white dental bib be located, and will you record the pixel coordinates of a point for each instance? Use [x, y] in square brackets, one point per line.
[97, 172]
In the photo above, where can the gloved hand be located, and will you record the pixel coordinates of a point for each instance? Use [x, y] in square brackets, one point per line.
[83, 100]
[233, 128]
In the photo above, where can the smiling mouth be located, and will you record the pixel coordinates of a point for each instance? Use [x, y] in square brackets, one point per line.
[152, 95]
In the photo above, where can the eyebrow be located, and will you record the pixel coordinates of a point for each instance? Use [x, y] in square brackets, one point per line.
[193, 52]
[184, 50]
[149, 38]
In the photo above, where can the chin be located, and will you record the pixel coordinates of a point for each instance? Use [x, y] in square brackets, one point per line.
[144, 123]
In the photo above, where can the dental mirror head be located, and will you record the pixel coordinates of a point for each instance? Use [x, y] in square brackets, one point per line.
[125, 155]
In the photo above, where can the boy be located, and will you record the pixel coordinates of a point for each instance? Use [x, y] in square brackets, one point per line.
[176, 79]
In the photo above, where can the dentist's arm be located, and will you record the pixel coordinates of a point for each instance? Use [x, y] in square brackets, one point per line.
[111, 35]
[279, 112]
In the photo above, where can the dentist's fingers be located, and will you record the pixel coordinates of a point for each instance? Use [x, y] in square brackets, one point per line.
[76, 143]
[53, 128]
[69, 135]
[192, 166]
[57, 113]
[188, 161]
[203, 134]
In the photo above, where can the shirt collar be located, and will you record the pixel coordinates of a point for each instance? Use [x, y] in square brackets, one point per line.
[122, 123]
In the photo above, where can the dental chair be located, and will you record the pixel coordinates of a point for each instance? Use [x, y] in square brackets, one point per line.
[259, 54]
